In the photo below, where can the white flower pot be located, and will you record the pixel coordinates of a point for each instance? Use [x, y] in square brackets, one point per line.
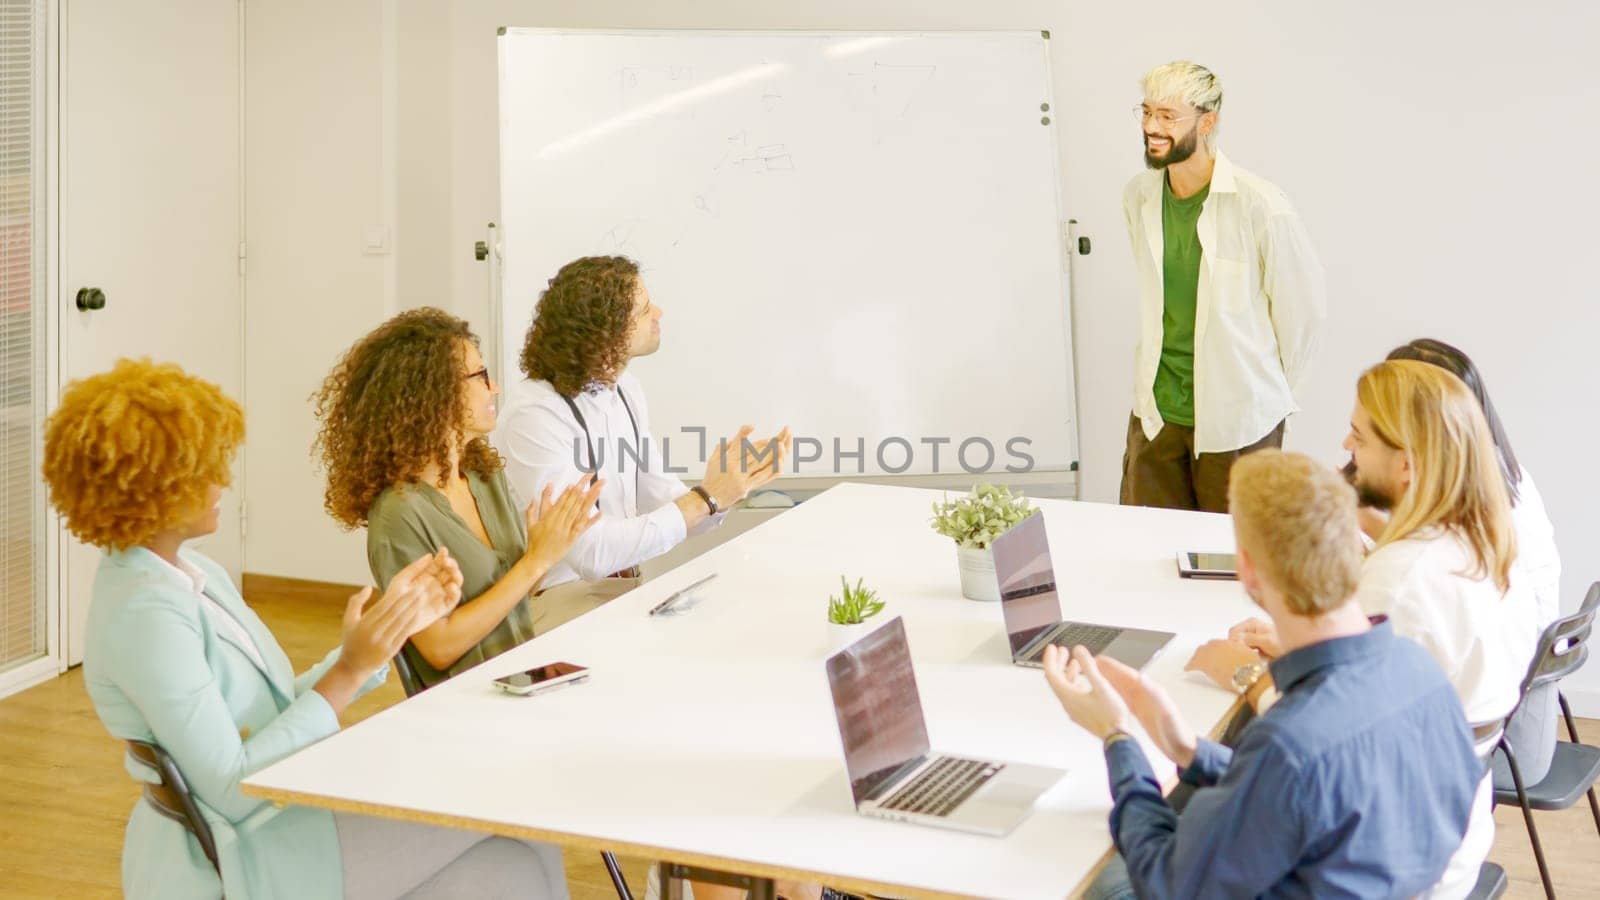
[842, 636]
[977, 574]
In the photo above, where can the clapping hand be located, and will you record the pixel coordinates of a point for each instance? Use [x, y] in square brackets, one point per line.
[1084, 693]
[731, 482]
[554, 525]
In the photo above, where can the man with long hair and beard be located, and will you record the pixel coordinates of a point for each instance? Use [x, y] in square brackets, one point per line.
[1230, 299]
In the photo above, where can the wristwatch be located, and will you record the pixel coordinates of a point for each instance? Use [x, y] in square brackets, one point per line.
[1248, 674]
[1115, 737]
[711, 502]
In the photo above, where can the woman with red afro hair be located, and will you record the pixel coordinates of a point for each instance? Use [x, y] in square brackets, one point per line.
[136, 459]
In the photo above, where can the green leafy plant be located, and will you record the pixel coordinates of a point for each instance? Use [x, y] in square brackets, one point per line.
[855, 605]
[982, 515]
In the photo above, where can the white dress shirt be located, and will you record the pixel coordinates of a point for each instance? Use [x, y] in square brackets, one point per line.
[1477, 635]
[543, 444]
[1260, 299]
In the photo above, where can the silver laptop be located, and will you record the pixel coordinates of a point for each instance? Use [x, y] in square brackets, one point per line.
[893, 775]
[1032, 607]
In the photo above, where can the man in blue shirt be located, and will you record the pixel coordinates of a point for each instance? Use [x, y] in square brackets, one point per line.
[1356, 782]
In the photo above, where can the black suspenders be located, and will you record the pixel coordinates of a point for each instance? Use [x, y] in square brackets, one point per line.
[588, 441]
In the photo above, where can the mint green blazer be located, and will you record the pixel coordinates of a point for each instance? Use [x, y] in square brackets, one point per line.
[157, 669]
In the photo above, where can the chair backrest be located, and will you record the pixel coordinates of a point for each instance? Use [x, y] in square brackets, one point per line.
[171, 796]
[409, 682]
[1564, 646]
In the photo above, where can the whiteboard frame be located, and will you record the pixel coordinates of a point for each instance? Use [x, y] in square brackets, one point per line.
[1060, 482]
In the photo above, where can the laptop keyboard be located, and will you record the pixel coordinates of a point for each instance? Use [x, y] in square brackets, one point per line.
[1096, 638]
[942, 786]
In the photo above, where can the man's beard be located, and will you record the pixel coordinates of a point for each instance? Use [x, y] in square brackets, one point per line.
[1177, 152]
[1366, 494]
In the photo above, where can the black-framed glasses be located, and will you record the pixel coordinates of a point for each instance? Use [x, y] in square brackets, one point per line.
[482, 373]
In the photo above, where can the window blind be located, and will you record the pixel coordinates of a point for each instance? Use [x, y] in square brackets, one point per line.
[22, 605]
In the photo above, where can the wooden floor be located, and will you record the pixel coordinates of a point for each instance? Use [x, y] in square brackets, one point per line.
[65, 797]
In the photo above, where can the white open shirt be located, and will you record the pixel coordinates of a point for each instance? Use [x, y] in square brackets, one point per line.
[1259, 303]
[543, 444]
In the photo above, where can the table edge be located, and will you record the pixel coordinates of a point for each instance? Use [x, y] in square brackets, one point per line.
[567, 839]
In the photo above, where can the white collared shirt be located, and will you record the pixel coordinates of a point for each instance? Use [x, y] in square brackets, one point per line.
[543, 444]
[192, 577]
[1260, 299]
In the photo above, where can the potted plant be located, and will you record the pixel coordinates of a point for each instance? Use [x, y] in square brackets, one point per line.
[973, 522]
[848, 613]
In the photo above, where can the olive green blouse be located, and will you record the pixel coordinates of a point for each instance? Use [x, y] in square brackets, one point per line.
[409, 520]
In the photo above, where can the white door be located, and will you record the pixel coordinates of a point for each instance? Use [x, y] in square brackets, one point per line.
[150, 202]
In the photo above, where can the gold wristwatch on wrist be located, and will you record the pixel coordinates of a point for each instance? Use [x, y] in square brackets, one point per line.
[1246, 676]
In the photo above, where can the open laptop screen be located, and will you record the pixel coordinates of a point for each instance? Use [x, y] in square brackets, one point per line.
[875, 700]
[1027, 580]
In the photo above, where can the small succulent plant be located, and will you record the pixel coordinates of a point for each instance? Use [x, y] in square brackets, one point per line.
[984, 514]
[855, 604]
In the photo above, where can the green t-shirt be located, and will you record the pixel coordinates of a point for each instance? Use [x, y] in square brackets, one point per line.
[407, 521]
[1180, 280]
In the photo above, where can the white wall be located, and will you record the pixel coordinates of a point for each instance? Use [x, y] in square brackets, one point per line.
[313, 182]
[1437, 151]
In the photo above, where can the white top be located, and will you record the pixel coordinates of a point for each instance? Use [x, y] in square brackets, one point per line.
[1260, 300]
[1473, 631]
[543, 444]
[190, 576]
[757, 781]
[1537, 567]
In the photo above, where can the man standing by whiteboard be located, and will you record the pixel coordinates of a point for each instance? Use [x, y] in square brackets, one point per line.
[1231, 295]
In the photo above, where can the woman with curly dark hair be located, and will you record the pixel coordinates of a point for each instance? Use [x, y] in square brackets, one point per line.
[405, 414]
[136, 459]
[580, 410]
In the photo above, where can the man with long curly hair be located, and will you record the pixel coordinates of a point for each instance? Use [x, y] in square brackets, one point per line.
[579, 410]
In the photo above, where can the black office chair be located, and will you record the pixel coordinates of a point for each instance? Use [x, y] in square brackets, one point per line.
[413, 686]
[1562, 650]
[171, 797]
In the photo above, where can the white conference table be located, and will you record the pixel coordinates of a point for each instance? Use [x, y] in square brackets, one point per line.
[709, 738]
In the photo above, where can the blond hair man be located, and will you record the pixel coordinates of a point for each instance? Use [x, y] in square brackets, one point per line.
[1231, 295]
[1422, 452]
[1326, 793]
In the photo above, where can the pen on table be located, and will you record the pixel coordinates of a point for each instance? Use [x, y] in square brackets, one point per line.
[673, 597]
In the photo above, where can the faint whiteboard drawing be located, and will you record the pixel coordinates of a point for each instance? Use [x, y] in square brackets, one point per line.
[638, 239]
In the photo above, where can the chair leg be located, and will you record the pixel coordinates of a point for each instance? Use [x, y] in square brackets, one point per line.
[1572, 732]
[1527, 817]
[617, 881]
[1566, 713]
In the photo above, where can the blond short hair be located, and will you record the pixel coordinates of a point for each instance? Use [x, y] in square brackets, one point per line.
[1297, 520]
[1190, 83]
[1456, 482]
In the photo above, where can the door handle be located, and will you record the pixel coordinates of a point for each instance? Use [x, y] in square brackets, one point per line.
[91, 298]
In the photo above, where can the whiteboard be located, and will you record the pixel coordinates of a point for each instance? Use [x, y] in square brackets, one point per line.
[854, 234]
